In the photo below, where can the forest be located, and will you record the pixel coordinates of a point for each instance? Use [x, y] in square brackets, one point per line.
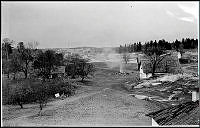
[185, 43]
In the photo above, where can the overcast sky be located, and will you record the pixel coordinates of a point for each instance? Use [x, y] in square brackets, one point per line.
[99, 24]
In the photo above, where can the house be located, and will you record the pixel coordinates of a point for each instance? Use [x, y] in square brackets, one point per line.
[183, 114]
[58, 72]
[190, 57]
[170, 64]
[144, 75]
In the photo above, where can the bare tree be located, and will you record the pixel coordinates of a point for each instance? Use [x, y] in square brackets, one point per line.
[25, 57]
[42, 95]
[155, 55]
[6, 52]
[139, 63]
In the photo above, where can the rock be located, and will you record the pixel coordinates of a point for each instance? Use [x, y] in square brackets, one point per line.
[144, 84]
[155, 83]
[57, 95]
[129, 86]
[142, 97]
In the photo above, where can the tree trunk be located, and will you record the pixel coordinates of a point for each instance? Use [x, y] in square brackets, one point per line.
[139, 64]
[26, 74]
[20, 104]
[14, 76]
[82, 79]
[41, 105]
[153, 69]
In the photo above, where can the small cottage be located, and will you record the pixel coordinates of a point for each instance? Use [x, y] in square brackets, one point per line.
[58, 72]
[144, 74]
[170, 64]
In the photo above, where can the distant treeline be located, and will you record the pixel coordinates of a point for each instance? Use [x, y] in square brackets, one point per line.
[161, 44]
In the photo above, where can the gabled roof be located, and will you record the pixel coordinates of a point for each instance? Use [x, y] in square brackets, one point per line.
[194, 89]
[182, 114]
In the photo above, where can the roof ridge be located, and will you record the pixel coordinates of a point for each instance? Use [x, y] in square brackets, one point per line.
[165, 115]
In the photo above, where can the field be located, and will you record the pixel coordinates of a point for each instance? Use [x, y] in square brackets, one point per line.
[101, 99]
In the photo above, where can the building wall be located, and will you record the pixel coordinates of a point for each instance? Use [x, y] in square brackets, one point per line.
[195, 96]
[144, 75]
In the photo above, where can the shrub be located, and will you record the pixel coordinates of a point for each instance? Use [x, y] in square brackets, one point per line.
[20, 94]
[61, 87]
[28, 91]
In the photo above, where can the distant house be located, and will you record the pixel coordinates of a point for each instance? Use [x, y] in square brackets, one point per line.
[190, 57]
[182, 114]
[179, 55]
[58, 72]
[143, 70]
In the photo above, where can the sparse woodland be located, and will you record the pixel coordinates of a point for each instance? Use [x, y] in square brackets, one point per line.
[28, 72]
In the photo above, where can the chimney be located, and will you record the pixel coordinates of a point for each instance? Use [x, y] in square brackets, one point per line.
[179, 55]
[195, 94]
[142, 74]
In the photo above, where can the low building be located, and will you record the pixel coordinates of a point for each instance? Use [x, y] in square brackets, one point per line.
[58, 72]
[170, 64]
[183, 114]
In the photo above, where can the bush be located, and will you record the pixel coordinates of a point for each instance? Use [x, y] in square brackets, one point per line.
[20, 94]
[61, 87]
[28, 91]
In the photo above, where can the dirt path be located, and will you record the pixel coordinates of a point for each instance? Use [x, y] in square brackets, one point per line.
[107, 107]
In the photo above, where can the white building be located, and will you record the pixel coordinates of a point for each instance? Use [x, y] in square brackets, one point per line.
[195, 94]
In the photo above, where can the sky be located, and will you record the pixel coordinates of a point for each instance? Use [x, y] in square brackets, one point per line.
[97, 24]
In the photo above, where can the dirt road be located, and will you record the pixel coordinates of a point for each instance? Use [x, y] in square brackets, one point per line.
[107, 107]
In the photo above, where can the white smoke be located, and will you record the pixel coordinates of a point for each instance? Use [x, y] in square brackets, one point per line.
[108, 56]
